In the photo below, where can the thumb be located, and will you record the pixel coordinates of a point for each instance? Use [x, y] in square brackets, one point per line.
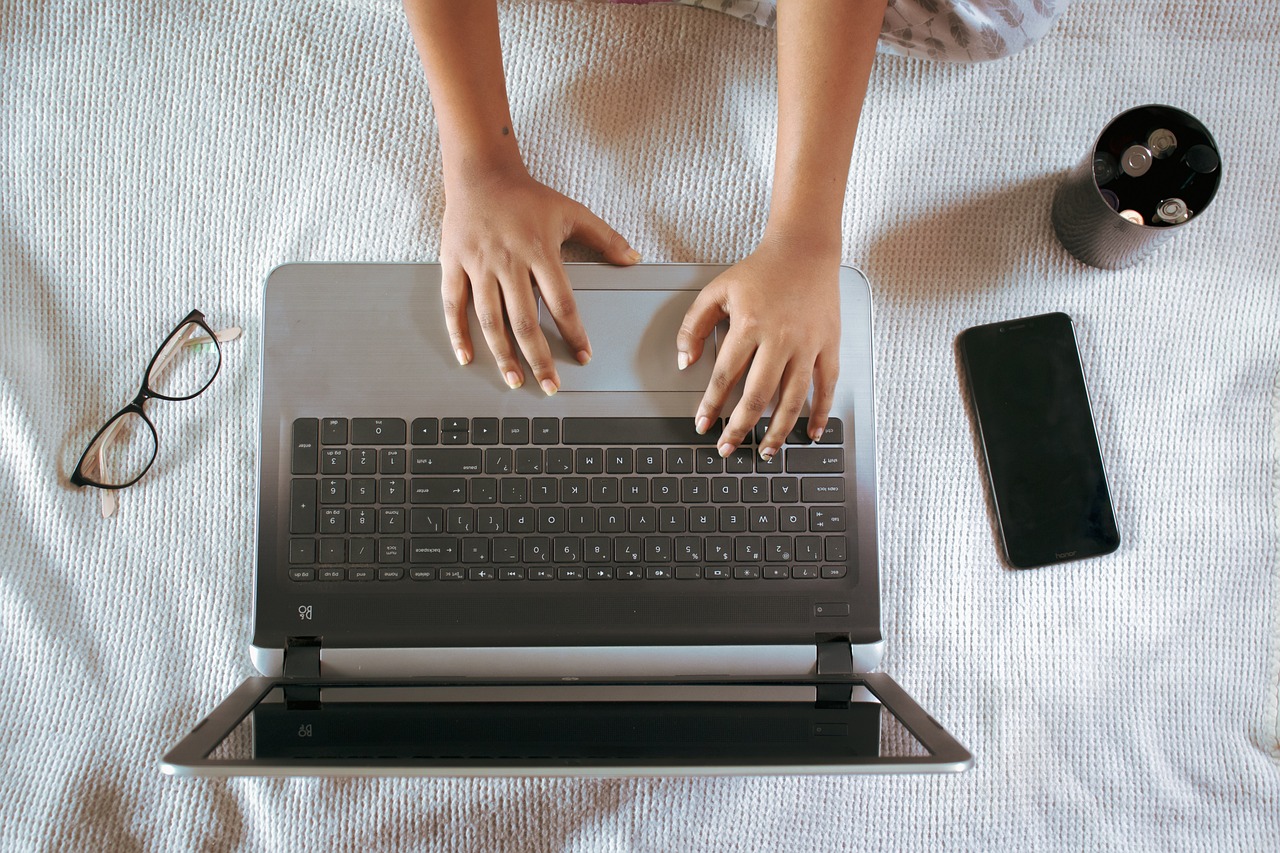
[699, 321]
[592, 231]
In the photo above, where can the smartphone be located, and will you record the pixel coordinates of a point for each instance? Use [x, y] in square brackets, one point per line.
[1036, 428]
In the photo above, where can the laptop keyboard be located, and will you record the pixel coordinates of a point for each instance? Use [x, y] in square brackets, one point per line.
[380, 500]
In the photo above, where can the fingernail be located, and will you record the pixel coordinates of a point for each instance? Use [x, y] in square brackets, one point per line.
[766, 453]
[682, 360]
[632, 255]
[549, 387]
[726, 449]
[702, 424]
[462, 356]
[815, 434]
[583, 357]
[513, 379]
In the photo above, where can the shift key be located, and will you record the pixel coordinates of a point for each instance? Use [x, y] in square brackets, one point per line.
[815, 460]
[446, 460]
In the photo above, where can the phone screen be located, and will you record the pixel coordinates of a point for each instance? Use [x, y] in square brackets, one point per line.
[1036, 428]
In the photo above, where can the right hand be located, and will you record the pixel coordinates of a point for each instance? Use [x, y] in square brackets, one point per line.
[501, 237]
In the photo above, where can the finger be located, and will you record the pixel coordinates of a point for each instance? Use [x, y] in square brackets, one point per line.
[795, 390]
[522, 314]
[758, 391]
[731, 362]
[590, 230]
[493, 323]
[455, 290]
[557, 295]
[699, 322]
[825, 372]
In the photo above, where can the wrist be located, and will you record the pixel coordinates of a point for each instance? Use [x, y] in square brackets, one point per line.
[819, 242]
[471, 166]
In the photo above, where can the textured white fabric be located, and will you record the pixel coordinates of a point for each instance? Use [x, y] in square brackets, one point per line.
[161, 156]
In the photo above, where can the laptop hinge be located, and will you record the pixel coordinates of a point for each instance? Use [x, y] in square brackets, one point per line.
[835, 657]
[302, 661]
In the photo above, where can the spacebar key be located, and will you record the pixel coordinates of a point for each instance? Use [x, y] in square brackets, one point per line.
[633, 431]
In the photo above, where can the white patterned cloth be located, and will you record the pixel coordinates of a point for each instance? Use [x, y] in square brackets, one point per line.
[949, 30]
[160, 156]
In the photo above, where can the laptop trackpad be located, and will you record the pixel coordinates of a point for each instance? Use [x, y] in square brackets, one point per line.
[633, 342]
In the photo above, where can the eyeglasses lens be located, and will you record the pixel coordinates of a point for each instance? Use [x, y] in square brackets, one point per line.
[186, 365]
[122, 452]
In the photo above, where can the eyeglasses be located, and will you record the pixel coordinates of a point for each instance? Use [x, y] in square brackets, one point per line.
[182, 368]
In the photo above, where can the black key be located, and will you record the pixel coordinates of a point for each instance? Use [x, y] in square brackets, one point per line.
[785, 490]
[333, 431]
[833, 433]
[481, 573]
[460, 520]
[740, 461]
[570, 573]
[454, 439]
[694, 490]
[600, 573]
[665, 490]
[559, 460]
[688, 549]
[390, 491]
[529, 460]
[826, 519]
[582, 519]
[363, 460]
[484, 431]
[333, 491]
[426, 519]
[635, 490]
[535, 549]
[596, 549]
[520, 520]
[303, 497]
[420, 573]
[673, 519]
[679, 460]
[546, 431]
[702, 519]
[725, 490]
[777, 549]
[391, 460]
[717, 573]
[333, 551]
[378, 431]
[391, 551]
[755, 490]
[630, 573]
[688, 573]
[804, 572]
[566, 549]
[302, 551]
[438, 490]
[574, 490]
[364, 490]
[763, 519]
[435, 549]
[333, 521]
[627, 549]
[451, 461]
[772, 465]
[390, 573]
[499, 460]
[604, 490]
[390, 519]
[553, 519]
[484, 490]
[452, 574]
[634, 431]
[649, 460]
[748, 573]
[718, 549]
[513, 490]
[642, 519]
[490, 519]
[808, 549]
[776, 572]
[799, 433]
[302, 574]
[505, 549]
[657, 573]
[589, 460]
[475, 549]
[822, 489]
[306, 440]
[511, 573]
[613, 520]
[360, 519]
[748, 549]
[837, 548]
[331, 574]
[333, 461]
[792, 519]
[733, 519]
[454, 425]
[426, 431]
[362, 574]
[619, 460]
[708, 461]
[815, 460]
[362, 550]
[657, 549]
[515, 430]
[834, 572]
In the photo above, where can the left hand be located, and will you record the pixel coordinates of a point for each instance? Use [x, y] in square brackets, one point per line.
[783, 306]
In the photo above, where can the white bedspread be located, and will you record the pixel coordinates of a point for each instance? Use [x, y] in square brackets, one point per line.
[162, 156]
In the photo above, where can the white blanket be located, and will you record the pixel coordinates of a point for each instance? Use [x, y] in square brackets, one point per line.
[162, 156]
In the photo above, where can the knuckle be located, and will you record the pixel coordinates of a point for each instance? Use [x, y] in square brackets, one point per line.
[490, 321]
[754, 403]
[721, 382]
[524, 325]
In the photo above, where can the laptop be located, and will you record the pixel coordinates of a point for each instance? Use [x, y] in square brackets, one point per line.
[458, 579]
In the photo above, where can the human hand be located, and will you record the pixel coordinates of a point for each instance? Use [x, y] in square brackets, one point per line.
[783, 306]
[501, 238]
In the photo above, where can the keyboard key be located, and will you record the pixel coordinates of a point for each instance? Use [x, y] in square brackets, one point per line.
[535, 549]
[546, 431]
[657, 573]
[695, 490]
[748, 549]
[582, 519]
[815, 460]
[809, 549]
[777, 549]
[515, 431]
[559, 460]
[629, 573]
[792, 519]
[435, 549]
[475, 549]
[333, 551]
[635, 490]
[484, 431]
[333, 431]
[363, 460]
[390, 573]
[612, 520]
[834, 572]
[746, 573]
[600, 573]
[733, 519]
[422, 573]
[566, 549]
[717, 573]
[755, 490]
[484, 490]
[364, 490]
[634, 431]
[333, 521]
[619, 460]
[657, 549]
[763, 519]
[604, 490]
[570, 573]
[306, 439]
[804, 572]
[679, 460]
[833, 433]
[425, 430]
[702, 519]
[331, 574]
[642, 519]
[303, 497]
[785, 490]
[360, 519]
[822, 489]
[362, 573]
[827, 519]
[772, 465]
[333, 461]
[544, 490]
[438, 490]
[740, 461]
[529, 460]
[423, 519]
[454, 439]
[688, 573]
[378, 431]
[589, 460]
[505, 549]
[511, 573]
[520, 520]
[451, 574]
[688, 549]
[673, 519]
[333, 491]
[390, 520]
[390, 550]
[664, 490]
[391, 460]
[774, 573]
[836, 548]
[296, 574]
[725, 490]
[553, 519]
[447, 461]
[362, 550]
[718, 549]
[459, 519]
[708, 461]
[302, 551]
[542, 573]
[454, 425]
[649, 460]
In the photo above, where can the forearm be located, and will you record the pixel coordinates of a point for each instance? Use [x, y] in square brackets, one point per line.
[825, 51]
[461, 53]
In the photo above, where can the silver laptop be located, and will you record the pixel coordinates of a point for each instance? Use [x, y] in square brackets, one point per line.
[455, 578]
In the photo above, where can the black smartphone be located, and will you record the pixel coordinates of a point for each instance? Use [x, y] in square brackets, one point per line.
[1036, 428]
